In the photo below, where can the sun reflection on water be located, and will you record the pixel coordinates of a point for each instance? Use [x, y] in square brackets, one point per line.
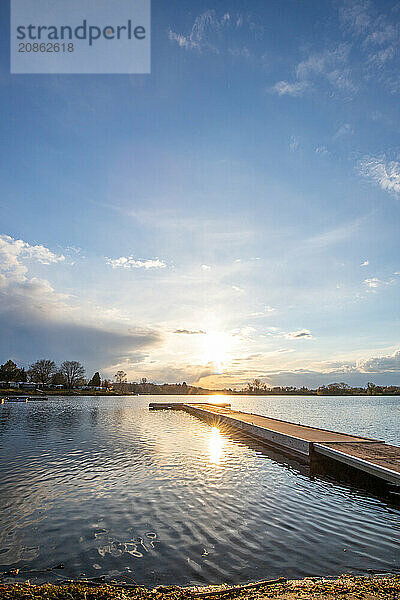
[215, 446]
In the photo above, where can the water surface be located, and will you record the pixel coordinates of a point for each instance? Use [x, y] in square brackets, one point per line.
[107, 487]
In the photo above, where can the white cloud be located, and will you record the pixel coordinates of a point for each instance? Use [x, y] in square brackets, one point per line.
[365, 263]
[190, 331]
[243, 332]
[203, 35]
[300, 334]
[275, 332]
[14, 253]
[206, 267]
[343, 130]
[294, 142]
[322, 63]
[36, 320]
[373, 283]
[196, 39]
[382, 171]
[380, 364]
[268, 310]
[378, 36]
[329, 65]
[355, 16]
[360, 19]
[333, 236]
[322, 150]
[285, 88]
[129, 262]
[238, 289]
[382, 56]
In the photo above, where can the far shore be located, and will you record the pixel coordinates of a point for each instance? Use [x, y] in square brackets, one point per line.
[345, 587]
[38, 394]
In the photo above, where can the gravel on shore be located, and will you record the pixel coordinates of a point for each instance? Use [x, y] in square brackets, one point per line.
[345, 587]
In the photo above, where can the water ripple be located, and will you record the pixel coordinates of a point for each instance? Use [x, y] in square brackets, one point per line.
[107, 487]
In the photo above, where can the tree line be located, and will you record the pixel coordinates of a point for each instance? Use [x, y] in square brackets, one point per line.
[71, 374]
[258, 388]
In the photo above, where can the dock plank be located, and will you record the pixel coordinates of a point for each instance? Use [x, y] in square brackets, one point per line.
[381, 460]
[303, 432]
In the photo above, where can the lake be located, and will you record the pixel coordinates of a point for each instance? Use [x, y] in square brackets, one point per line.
[107, 487]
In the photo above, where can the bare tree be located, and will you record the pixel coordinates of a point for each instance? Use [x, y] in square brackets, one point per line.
[72, 371]
[120, 379]
[42, 371]
[257, 384]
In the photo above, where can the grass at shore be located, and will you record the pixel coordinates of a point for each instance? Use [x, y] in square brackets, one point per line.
[345, 587]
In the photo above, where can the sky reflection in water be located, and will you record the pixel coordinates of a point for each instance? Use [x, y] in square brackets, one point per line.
[106, 486]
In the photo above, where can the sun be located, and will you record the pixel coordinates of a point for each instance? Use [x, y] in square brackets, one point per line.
[217, 346]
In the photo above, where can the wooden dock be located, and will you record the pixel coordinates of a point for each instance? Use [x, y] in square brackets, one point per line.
[21, 399]
[368, 455]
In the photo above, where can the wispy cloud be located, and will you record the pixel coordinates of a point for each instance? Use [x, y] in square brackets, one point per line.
[294, 142]
[378, 37]
[190, 331]
[330, 66]
[343, 130]
[268, 311]
[373, 283]
[129, 262]
[300, 334]
[333, 236]
[286, 88]
[369, 47]
[355, 16]
[205, 34]
[380, 170]
[322, 150]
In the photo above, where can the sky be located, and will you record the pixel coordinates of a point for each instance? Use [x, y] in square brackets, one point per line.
[233, 215]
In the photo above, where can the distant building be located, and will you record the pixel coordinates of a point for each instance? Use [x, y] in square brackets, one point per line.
[28, 386]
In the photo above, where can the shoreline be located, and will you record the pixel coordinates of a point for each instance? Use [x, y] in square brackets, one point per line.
[347, 587]
[4, 393]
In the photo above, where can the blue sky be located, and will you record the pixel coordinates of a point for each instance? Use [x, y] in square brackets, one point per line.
[233, 215]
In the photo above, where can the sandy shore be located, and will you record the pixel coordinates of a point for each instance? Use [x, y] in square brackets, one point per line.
[345, 587]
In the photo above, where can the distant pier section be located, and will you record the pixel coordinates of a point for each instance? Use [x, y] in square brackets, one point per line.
[364, 454]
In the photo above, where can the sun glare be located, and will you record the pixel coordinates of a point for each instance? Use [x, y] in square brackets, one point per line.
[217, 399]
[216, 350]
[215, 446]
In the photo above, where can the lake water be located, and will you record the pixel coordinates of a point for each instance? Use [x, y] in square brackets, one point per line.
[107, 487]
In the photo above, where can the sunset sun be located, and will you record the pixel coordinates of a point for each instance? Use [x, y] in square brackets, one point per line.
[216, 350]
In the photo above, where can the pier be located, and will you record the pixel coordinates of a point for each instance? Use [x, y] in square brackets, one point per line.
[21, 399]
[371, 456]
